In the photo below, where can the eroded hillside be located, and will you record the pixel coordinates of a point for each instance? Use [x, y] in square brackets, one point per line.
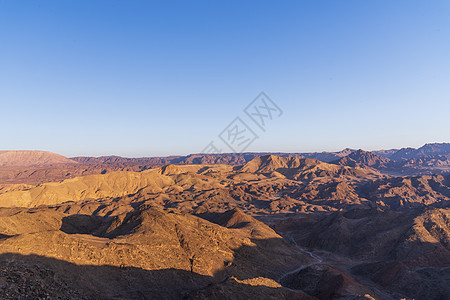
[274, 227]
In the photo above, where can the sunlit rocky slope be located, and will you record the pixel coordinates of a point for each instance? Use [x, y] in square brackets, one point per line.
[270, 228]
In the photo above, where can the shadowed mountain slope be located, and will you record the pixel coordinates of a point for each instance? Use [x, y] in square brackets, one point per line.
[363, 159]
[193, 253]
[426, 151]
[404, 252]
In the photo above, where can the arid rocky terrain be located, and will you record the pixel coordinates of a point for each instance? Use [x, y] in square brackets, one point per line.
[344, 225]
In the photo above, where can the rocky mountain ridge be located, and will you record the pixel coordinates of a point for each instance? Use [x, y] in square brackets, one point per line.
[270, 228]
[34, 167]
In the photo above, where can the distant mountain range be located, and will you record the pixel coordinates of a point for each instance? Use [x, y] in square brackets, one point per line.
[428, 159]
[428, 151]
[34, 167]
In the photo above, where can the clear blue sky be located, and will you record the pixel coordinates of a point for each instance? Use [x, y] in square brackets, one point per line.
[145, 78]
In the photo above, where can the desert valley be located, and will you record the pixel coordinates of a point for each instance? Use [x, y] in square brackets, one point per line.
[230, 150]
[332, 225]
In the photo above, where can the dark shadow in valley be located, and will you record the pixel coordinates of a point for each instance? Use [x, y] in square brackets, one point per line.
[34, 276]
[364, 236]
[4, 236]
[60, 278]
[82, 224]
